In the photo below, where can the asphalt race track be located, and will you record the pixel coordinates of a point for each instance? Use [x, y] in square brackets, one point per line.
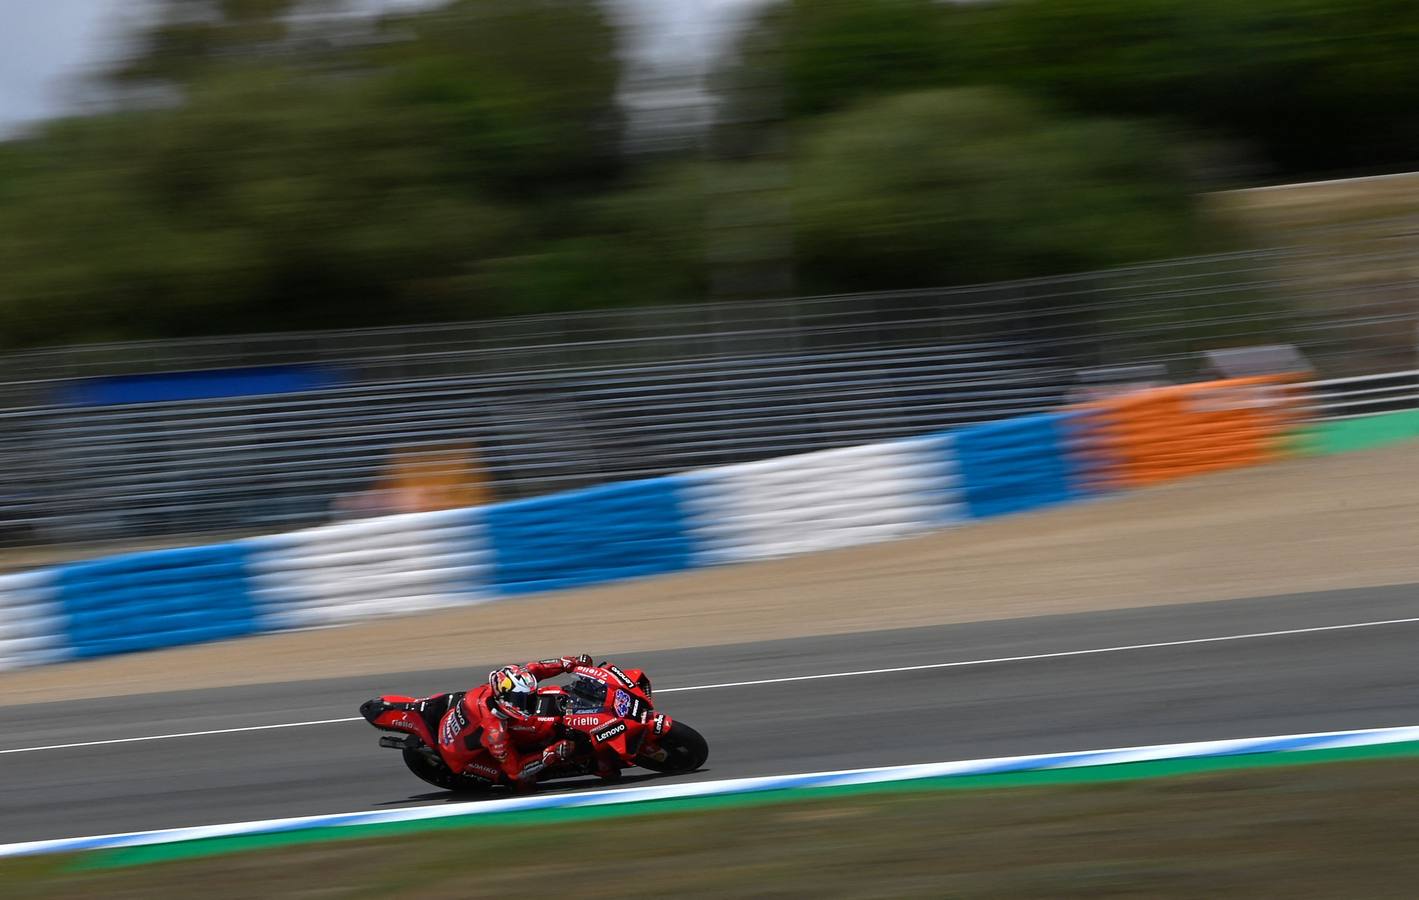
[1318, 680]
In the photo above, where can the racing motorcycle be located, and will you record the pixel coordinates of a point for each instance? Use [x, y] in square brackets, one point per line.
[602, 708]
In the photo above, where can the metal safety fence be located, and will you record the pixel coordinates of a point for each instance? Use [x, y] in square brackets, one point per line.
[103, 472]
[1365, 395]
[1160, 311]
[535, 404]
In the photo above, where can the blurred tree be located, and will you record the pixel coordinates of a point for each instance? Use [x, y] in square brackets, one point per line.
[276, 170]
[961, 185]
[643, 244]
[366, 181]
[1308, 85]
[1314, 85]
[189, 37]
[522, 96]
[252, 208]
[828, 54]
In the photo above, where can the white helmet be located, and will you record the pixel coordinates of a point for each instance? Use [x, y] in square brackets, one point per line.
[514, 692]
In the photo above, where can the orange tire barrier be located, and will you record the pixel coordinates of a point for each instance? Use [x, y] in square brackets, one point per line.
[1165, 433]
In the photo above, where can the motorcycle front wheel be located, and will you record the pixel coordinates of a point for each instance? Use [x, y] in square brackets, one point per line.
[685, 751]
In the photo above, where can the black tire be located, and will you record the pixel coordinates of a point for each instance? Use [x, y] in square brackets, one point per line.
[686, 750]
[439, 775]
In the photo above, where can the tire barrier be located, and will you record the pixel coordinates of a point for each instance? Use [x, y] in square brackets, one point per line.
[1018, 464]
[589, 536]
[1165, 433]
[142, 601]
[822, 500]
[32, 629]
[413, 562]
[388, 565]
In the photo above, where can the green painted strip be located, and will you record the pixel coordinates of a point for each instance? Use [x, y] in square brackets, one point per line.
[1363, 433]
[134, 856]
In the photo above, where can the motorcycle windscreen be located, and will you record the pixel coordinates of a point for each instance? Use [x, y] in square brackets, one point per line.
[585, 694]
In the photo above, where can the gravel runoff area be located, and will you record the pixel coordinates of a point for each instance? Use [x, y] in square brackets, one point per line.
[1302, 525]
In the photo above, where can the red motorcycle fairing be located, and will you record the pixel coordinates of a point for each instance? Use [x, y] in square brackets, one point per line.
[630, 679]
[465, 749]
[484, 769]
[660, 724]
[395, 712]
[622, 728]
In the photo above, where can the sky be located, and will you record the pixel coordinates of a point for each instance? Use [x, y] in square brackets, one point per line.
[47, 46]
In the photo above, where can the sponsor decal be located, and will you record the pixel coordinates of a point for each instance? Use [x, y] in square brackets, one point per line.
[622, 703]
[550, 662]
[482, 770]
[659, 726]
[453, 723]
[608, 733]
[583, 721]
[621, 676]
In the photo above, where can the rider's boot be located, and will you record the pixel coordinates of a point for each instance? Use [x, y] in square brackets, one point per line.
[535, 764]
[608, 767]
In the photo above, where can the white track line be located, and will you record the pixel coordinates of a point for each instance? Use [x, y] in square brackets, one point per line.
[1057, 655]
[784, 680]
[164, 737]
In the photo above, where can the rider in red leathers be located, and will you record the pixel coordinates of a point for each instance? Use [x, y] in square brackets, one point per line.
[502, 718]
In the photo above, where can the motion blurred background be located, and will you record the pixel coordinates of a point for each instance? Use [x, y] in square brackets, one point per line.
[598, 291]
[677, 234]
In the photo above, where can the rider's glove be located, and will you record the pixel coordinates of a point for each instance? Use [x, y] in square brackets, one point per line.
[557, 752]
[571, 662]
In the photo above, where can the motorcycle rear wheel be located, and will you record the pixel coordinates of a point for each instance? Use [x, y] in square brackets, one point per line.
[440, 775]
[685, 751]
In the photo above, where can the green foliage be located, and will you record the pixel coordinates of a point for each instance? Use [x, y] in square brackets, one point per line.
[191, 37]
[274, 172]
[641, 245]
[832, 53]
[976, 184]
[356, 184]
[263, 206]
[1308, 85]
[1313, 84]
[521, 96]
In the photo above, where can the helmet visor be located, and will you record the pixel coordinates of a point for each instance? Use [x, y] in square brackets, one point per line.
[522, 701]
